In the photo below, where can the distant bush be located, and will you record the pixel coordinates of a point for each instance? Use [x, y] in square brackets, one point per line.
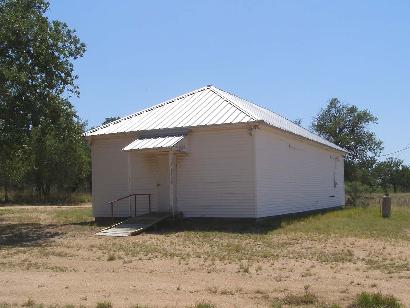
[356, 192]
[27, 197]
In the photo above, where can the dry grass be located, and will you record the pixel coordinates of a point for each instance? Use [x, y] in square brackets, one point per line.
[339, 254]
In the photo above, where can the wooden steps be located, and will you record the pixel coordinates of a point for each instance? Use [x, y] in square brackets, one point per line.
[134, 225]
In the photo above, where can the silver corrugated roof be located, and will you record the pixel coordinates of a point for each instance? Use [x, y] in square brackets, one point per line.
[205, 106]
[153, 143]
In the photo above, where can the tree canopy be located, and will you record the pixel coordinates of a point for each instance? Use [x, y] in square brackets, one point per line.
[110, 119]
[348, 127]
[389, 173]
[39, 128]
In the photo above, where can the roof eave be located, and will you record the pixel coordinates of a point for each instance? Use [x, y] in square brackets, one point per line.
[334, 148]
[174, 130]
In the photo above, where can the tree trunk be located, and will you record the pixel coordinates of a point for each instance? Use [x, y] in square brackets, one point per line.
[47, 191]
[40, 191]
[43, 193]
[6, 192]
[395, 187]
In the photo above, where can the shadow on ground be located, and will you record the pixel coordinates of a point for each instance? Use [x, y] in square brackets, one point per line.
[242, 226]
[27, 234]
[231, 225]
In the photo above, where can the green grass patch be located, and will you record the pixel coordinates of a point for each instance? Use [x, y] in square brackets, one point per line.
[47, 214]
[104, 305]
[349, 221]
[204, 305]
[360, 222]
[74, 215]
[375, 300]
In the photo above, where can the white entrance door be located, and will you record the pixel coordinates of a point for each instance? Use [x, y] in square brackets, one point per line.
[163, 184]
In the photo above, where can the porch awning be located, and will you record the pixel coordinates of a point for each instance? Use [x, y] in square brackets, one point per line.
[159, 144]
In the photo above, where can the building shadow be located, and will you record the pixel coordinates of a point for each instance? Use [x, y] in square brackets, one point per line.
[235, 225]
[238, 226]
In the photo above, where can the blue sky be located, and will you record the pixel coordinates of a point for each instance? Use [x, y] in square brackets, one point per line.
[288, 56]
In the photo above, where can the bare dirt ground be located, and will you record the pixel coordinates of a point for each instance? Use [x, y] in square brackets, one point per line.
[52, 256]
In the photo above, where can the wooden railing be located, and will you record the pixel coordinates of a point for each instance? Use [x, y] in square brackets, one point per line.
[135, 203]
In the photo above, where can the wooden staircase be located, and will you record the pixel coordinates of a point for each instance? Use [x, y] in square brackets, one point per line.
[134, 225]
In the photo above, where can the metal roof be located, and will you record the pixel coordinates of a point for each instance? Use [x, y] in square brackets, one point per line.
[205, 106]
[276, 120]
[160, 143]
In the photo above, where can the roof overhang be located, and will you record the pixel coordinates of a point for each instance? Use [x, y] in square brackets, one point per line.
[158, 144]
[329, 146]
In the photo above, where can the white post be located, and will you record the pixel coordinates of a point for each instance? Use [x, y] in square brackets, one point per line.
[172, 184]
[129, 180]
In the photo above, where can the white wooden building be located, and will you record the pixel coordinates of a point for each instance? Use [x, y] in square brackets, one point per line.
[209, 153]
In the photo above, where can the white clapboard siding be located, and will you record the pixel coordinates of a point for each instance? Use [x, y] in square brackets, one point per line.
[227, 172]
[144, 177]
[293, 175]
[215, 179]
[109, 175]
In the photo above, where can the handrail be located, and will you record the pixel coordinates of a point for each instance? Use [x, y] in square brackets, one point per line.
[135, 203]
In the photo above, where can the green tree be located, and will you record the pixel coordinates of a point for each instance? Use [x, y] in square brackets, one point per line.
[348, 127]
[387, 173]
[59, 154]
[109, 120]
[298, 121]
[13, 169]
[404, 178]
[37, 79]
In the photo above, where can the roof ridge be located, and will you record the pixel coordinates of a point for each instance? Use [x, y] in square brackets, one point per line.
[248, 101]
[217, 92]
[148, 109]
